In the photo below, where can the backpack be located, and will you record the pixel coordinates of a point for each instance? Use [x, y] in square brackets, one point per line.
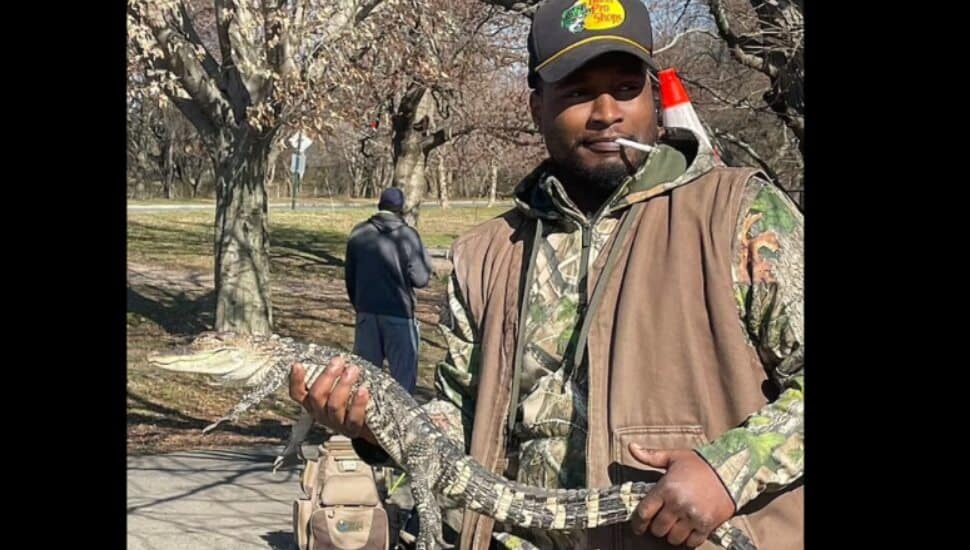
[341, 508]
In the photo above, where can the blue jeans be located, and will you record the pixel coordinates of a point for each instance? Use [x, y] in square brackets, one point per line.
[396, 339]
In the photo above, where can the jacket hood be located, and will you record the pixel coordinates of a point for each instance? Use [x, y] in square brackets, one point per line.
[385, 222]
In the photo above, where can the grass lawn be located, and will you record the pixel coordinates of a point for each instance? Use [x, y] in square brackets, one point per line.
[171, 298]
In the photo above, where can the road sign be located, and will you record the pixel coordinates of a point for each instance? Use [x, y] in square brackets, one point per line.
[300, 141]
[298, 164]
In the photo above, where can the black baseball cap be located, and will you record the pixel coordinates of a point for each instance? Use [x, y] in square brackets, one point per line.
[566, 34]
[392, 199]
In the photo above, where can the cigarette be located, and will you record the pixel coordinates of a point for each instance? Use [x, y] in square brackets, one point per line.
[632, 144]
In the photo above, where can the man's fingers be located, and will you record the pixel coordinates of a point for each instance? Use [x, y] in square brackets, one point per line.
[339, 398]
[355, 417]
[645, 513]
[320, 390]
[695, 539]
[679, 533]
[662, 523]
[298, 389]
[657, 458]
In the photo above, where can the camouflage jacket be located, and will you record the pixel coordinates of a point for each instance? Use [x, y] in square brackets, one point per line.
[764, 454]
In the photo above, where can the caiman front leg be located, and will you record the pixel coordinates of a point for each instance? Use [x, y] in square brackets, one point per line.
[298, 435]
[251, 399]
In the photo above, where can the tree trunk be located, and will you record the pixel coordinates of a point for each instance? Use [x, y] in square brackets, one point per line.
[442, 183]
[378, 177]
[271, 163]
[460, 189]
[411, 122]
[356, 181]
[387, 173]
[241, 239]
[375, 185]
[196, 182]
[449, 186]
[494, 187]
[168, 164]
[353, 189]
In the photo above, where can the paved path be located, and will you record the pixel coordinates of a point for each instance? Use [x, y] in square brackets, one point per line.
[224, 498]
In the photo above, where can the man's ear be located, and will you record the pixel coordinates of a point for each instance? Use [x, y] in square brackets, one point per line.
[535, 106]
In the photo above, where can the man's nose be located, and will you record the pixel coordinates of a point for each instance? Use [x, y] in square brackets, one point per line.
[606, 111]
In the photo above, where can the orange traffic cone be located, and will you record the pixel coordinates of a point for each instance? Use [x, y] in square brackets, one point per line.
[677, 110]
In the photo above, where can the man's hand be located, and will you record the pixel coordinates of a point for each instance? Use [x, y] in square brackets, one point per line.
[331, 405]
[688, 502]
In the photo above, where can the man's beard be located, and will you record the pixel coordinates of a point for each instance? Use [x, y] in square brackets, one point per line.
[602, 179]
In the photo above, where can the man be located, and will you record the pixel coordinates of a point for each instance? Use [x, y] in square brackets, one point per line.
[636, 316]
[386, 261]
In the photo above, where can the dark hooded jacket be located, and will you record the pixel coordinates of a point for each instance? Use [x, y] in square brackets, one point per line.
[386, 261]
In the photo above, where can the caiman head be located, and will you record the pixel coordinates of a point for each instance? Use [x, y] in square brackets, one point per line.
[218, 353]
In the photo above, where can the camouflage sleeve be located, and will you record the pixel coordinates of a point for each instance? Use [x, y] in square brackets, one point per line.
[456, 385]
[456, 377]
[766, 452]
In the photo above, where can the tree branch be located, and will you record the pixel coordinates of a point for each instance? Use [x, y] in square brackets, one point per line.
[747, 148]
[523, 7]
[471, 35]
[222, 31]
[277, 34]
[208, 61]
[734, 43]
[178, 56]
[780, 60]
[239, 56]
[446, 134]
[339, 22]
[365, 10]
[196, 116]
[681, 16]
[676, 38]
[733, 103]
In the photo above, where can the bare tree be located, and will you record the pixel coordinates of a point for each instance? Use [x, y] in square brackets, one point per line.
[768, 36]
[239, 70]
[429, 84]
[716, 47]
